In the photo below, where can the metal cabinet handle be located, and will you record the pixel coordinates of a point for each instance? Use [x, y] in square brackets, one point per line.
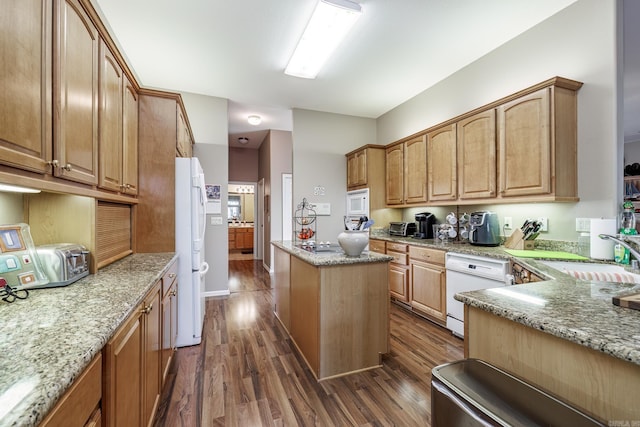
[67, 167]
[172, 275]
[147, 309]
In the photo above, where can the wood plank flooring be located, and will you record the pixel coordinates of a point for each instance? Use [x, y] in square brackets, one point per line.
[246, 371]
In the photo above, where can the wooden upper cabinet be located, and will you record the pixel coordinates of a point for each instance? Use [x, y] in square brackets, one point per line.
[441, 163]
[111, 93]
[365, 169]
[129, 138]
[184, 140]
[76, 94]
[357, 169]
[525, 145]
[415, 170]
[537, 142]
[26, 84]
[406, 171]
[395, 174]
[476, 139]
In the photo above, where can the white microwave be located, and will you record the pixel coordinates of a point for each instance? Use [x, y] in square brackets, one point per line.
[358, 202]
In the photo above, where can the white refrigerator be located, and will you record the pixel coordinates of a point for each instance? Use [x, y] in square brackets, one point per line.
[191, 215]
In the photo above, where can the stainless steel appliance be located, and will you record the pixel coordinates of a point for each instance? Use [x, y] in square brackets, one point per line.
[402, 229]
[485, 229]
[63, 263]
[470, 273]
[191, 202]
[471, 392]
[425, 222]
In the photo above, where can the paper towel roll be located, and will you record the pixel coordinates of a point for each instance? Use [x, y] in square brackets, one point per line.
[600, 248]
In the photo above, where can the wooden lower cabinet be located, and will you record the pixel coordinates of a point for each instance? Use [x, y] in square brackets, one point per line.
[240, 237]
[428, 283]
[132, 367]
[399, 273]
[282, 277]
[169, 318]
[80, 406]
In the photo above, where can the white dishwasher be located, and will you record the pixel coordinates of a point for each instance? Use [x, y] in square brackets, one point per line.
[470, 273]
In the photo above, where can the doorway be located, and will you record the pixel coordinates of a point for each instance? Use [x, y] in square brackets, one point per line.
[242, 214]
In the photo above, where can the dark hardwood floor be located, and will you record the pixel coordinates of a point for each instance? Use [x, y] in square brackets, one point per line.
[246, 371]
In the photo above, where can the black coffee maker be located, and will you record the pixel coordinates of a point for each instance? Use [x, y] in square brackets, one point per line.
[424, 225]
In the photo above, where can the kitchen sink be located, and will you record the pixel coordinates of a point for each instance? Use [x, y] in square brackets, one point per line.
[595, 271]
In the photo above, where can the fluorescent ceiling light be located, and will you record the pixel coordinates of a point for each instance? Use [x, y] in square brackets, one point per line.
[330, 22]
[17, 189]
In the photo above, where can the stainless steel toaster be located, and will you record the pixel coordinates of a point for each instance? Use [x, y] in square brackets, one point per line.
[63, 263]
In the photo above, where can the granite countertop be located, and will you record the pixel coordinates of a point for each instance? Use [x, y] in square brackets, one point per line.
[580, 311]
[577, 310]
[324, 259]
[50, 337]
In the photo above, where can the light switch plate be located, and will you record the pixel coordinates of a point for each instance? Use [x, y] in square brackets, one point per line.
[322, 208]
[583, 224]
[216, 220]
[545, 224]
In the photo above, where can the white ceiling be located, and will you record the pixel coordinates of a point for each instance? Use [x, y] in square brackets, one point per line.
[238, 49]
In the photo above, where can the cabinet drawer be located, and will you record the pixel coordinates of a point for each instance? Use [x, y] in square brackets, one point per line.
[169, 277]
[397, 247]
[377, 246]
[434, 256]
[77, 405]
[399, 258]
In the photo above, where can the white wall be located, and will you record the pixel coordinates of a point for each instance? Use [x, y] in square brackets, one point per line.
[631, 153]
[578, 43]
[208, 119]
[320, 142]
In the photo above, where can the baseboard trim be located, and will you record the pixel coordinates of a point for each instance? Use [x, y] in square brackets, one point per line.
[222, 293]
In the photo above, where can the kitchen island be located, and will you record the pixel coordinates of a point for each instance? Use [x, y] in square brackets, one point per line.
[334, 307]
[565, 336]
[53, 335]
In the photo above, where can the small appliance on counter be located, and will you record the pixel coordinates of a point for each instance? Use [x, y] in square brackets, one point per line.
[425, 222]
[402, 229]
[20, 267]
[485, 229]
[63, 263]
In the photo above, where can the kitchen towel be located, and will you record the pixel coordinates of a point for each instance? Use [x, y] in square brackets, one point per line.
[537, 253]
[601, 248]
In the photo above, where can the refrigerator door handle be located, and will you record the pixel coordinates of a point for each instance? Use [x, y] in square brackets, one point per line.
[204, 268]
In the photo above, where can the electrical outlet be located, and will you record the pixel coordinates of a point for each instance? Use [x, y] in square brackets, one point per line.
[583, 224]
[508, 223]
[544, 224]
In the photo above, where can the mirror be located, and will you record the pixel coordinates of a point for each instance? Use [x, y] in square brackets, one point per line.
[241, 203]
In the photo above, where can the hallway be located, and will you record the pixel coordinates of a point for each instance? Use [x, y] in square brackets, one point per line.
[246, 372]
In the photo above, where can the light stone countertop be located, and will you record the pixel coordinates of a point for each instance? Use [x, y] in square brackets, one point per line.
[50, 337]
[324, 259]
[577, 310]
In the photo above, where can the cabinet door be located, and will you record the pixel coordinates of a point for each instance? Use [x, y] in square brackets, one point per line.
[152, 353]
[399, 282]
[525, 145]
[129, 138]
[25, 110]
[477, 156]
[395, 174]
[415, 170]
[183, 137]
[441, 163]
[282, 274]
[428, 290]
[167, 332]
[122, 401]
[76, 96]
[110, 117]
[305, 310]
[352, 171]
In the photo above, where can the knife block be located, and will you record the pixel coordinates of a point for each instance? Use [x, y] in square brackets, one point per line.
[516, 241]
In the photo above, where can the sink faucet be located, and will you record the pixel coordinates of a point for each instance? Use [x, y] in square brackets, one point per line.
[632, 250]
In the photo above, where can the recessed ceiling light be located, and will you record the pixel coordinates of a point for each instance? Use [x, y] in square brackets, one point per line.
[254, 120]
[243, 140]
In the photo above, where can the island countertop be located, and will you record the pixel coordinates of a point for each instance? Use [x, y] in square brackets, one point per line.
[330, 258]
[50, 337]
